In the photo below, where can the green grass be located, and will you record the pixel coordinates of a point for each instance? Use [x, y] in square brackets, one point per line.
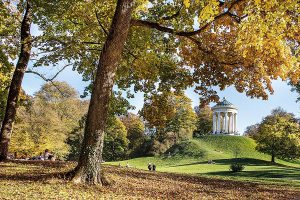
[191, 157]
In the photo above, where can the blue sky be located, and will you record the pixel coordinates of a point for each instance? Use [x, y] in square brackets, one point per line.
[251, 111]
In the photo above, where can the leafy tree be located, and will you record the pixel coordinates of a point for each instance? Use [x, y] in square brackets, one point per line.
[75, 138]
[25, 44]
[183, 123]
[240, 43]
[5, 77]
[204, 121]
[158, 110]
[116, 142]
[46, 120]
[135, 134]
[8, 51]
[22, 142]
[279, 136]
[172, 116]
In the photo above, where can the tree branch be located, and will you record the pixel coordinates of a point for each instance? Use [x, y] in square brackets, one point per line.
[89, 42]
[51, 80]
[157, 26]
[100, 24]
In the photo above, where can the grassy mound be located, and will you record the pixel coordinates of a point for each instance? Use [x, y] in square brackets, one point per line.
[190, 148]
[222, 146]
[230, 143]
[217, 147]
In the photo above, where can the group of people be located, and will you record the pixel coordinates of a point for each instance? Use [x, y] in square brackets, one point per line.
[46, 156]
[151, 167]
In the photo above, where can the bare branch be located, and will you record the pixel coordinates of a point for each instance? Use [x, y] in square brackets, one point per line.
[100, 24]
[62, 69]
[51, 80]
[91, 49]
[90, 42]
[46, 80]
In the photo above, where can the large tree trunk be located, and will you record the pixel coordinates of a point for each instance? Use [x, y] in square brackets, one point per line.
[16, 83]
[88, 169]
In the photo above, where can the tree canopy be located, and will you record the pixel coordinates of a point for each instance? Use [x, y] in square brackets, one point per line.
[135, 134]
[170, 112]
[204, 120]
[172, 118]
[45, 123]
[9, 17]
[174, 45]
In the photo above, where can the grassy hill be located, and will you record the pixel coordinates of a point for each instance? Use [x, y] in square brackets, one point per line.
[192, 157]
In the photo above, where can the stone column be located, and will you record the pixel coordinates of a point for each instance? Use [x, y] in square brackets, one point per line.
[235, 123]
[218, 123]
[231, 123]
[214, 123]
[226, 122]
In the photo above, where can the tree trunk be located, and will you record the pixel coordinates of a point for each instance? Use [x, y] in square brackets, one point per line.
[16, 83]
[88, 169]
[273, 158]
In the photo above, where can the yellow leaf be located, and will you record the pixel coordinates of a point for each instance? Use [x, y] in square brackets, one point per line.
[257, 2]
[186, 3]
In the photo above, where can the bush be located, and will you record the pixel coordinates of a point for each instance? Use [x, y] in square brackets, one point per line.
[237, 167]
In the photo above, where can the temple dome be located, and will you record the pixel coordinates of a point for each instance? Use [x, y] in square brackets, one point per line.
[224, 104]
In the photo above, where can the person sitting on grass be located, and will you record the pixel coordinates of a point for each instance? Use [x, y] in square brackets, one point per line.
[149, 166]
[153, 167]
[48, 155]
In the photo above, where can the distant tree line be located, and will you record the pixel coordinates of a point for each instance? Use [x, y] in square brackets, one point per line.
[54, 118]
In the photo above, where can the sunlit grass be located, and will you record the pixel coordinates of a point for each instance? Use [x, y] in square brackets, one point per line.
[223, 150]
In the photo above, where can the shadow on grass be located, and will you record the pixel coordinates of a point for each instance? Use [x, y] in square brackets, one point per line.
[53, 164]
[41, 177]
[39, 171]
[285, 173]
[244, 161]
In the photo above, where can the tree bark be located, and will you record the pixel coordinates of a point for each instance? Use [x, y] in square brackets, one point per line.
[15, 86]
[88, 169]
[273, 158]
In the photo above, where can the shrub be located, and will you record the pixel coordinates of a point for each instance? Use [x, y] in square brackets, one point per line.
[237, 167]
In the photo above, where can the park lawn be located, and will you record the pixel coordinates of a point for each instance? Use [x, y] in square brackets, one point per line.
[44, 180]
[268, 173]
[193, 156]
